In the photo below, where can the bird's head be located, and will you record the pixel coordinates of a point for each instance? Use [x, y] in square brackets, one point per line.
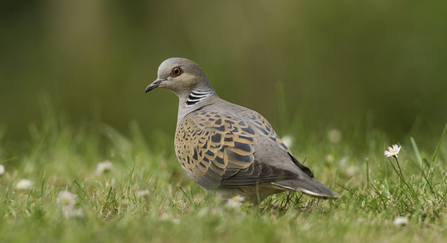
[181, 76]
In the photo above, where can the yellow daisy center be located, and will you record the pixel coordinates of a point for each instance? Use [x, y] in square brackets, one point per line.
[65, 200]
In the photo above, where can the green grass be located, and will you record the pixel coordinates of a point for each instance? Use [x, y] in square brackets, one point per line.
[62, 155]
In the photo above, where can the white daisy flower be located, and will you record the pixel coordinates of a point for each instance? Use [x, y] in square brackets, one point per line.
[329, 158]
[334, 136]
[71, 212]
[66, 199]
[401, 221]
[24, 184]
[393, 151]
[74, 213]
[2, 170]
[351, 171]
[287, 140]
[104, 167]
[169, 217]
[235, 202]
[142, 193]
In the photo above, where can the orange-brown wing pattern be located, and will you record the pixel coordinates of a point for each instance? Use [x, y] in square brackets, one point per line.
[210, 146]
[217, 150]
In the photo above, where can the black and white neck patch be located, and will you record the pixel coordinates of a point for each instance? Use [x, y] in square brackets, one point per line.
[196, 96]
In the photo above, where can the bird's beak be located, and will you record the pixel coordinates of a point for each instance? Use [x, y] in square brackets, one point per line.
[154, 85]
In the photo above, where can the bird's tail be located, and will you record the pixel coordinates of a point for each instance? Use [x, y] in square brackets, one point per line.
[309, 187]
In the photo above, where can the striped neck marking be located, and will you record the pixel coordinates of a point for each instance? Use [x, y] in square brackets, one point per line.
[196, 96]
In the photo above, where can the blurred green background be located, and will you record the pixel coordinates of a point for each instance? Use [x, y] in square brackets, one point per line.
[334, 61]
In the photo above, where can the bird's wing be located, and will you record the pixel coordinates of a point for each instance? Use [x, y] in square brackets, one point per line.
[263, 126]
[218, 150]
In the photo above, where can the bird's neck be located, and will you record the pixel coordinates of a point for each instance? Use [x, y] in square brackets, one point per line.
[196, 99]
[196, 96]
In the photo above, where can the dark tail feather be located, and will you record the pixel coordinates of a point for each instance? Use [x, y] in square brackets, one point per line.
[309, 187]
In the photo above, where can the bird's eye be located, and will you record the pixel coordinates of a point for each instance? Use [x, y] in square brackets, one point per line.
[176, 71]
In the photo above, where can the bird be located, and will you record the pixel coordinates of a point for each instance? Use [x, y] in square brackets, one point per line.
[228, 148]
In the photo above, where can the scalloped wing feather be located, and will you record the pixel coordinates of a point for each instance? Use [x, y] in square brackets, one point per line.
[218, 150]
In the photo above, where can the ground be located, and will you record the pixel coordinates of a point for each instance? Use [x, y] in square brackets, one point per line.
[142, 195]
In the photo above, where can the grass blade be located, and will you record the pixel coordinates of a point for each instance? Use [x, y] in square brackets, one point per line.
[80, 187]
[402, 178]
[188, 197]
[416, 151]
[412, 161]
[42, 192]
[435, 156]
